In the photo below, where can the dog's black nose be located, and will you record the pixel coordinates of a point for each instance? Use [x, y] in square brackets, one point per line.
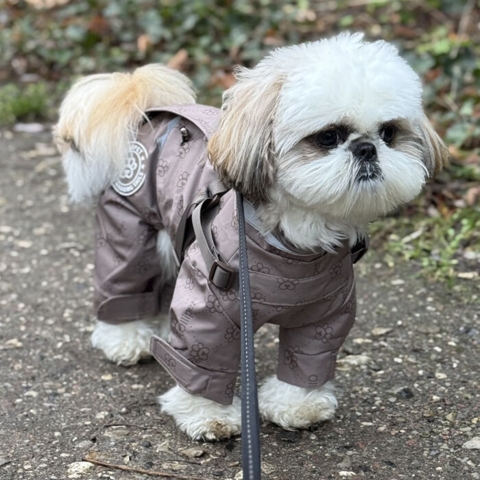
[365, 151]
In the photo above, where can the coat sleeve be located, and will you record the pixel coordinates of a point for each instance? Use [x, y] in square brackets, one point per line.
[127, 271]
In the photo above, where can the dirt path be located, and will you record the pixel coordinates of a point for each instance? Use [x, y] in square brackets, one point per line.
[408, 378]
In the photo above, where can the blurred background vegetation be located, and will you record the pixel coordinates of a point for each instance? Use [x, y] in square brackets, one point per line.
[46, 44]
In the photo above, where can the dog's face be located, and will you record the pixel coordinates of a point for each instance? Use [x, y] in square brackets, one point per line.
[336, 126]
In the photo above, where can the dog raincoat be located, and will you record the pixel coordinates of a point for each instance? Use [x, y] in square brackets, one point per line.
[310, 296]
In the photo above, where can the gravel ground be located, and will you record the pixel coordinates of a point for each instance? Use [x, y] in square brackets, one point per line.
[408, 377]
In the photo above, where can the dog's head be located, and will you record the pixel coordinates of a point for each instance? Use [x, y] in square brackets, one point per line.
[336, 126]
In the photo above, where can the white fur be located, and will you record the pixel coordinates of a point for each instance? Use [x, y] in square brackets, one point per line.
[166, 256]
[200, 418]
[263, 147]
[341, 77]
[310, 194]
[127, 343]
[294, 407]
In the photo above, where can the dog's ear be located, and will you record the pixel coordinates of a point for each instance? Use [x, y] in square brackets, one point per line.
[436, 155]
[242, 149]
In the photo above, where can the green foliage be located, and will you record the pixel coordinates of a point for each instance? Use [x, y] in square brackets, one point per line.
[439, 38]
[439, 244]
[95, 35]
[88, 36]
[23, 104]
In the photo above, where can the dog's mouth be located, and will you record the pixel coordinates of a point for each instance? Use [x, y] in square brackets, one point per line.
[368, 171]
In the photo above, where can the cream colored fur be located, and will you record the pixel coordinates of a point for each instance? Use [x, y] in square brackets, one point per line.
[100, 117]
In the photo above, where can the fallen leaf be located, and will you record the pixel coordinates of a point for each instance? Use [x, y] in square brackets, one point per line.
[179, 60]
[472, 196]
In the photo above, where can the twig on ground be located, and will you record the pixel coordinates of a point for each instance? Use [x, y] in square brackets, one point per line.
[133, 425]
[152, 473]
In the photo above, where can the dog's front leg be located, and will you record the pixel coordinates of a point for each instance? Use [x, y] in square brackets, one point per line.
[127, 343]
[294, 407]
[201, 418]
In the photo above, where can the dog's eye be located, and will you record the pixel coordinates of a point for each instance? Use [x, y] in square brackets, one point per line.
[387, 133]
[328, 138]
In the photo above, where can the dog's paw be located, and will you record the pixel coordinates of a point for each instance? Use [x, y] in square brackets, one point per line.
[123, 344]
[200, 418]
[293, 407]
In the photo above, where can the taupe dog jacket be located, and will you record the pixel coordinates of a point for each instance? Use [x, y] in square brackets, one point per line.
[310, 296]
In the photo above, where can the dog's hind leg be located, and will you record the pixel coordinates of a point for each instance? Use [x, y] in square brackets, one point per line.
[127, 343]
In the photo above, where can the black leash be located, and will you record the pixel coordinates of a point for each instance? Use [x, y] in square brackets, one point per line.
[250, 418]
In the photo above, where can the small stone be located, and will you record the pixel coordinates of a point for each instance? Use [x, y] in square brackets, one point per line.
[31, 393]
[440, 375]
[117, 432]
[267, 468]
[146, 444]
[101, 415]
[436, 399]
[347, 363]
[347, 474]
[470, 331]
[346, 463]
[467, 275]
[29, 127]
[194, 452]
[380, 331]
[473, 444]
[175, 466]
[79, 467]
[361, 341]
[429, 329]
[107, 377]
[451, 417]
[404, 392]
[238, 476]
[84, 444]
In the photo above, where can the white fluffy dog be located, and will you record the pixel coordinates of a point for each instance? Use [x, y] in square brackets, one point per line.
[322, 138]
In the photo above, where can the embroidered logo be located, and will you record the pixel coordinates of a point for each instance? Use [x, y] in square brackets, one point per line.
[133, 176]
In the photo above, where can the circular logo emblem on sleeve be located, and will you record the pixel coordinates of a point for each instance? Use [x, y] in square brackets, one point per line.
[133, 176]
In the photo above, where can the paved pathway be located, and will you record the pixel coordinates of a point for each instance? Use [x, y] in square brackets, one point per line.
[408, 378]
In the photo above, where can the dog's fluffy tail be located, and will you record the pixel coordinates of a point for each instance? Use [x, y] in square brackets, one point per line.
[100, 116]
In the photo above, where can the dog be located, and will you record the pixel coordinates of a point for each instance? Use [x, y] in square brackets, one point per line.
[320, 138]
